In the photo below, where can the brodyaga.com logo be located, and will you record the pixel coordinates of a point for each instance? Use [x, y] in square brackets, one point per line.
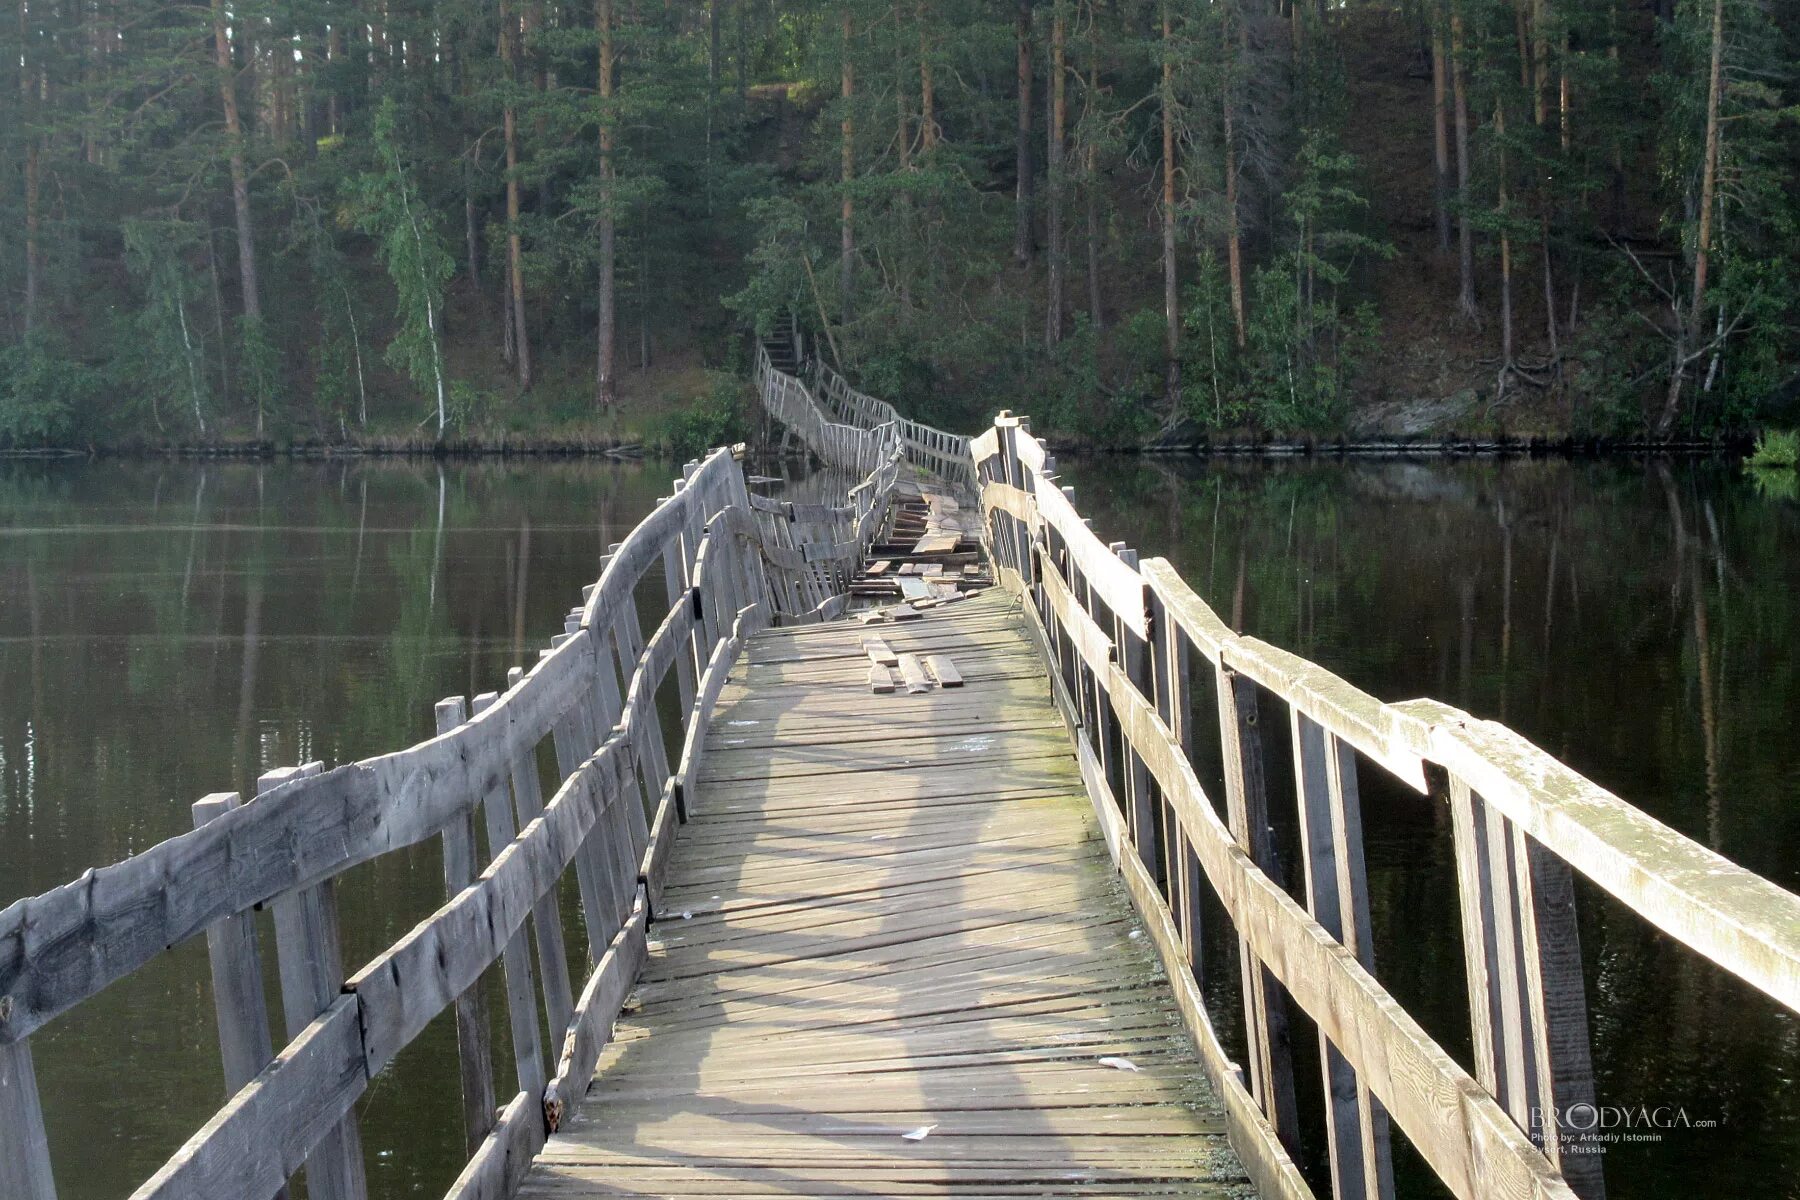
[1588, 1127]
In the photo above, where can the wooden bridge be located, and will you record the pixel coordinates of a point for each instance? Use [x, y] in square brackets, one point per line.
[896, 876]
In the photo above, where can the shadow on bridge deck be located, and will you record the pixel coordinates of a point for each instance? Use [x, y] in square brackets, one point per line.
[892, 913]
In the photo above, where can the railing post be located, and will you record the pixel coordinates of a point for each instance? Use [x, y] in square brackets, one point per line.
[1337, 895]
[245, 1046]
[546, 921]
[1522, 957]
[311, 962]
[1174, 704]
[521, 1001]
[24, 1148]
[1133, 655]
[474, 1053]
[1247, 813]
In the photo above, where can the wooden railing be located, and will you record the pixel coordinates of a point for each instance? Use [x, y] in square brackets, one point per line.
[1128, 644]
[945, 455]
[729, 564]
[853, 447]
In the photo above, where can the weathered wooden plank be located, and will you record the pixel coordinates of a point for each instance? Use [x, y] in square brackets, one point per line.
[881, 679]
[407, 985]
[59, 948]
[245, 1045]
[1738, 920]
[1337, 897]
[499, 1166]
[475, 1054]
[546, 914]
[591, 1029]
[275, 1122]
[521, 991]
[1456, 1126]
[24, 1149]
[912, 672]
[943, 669]
[310, 960]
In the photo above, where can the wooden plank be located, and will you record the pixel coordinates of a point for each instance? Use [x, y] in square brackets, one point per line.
[1337, 897]
[1247, 809]
[912, 671]
[407, 985]
[24, 1149]
[943, 669]
[879, 652]
[245, 1044]
[252, 1145]
[474, 1051]
[1458, 1129]
[58, 948]
[1743, 923]
[499, 1166]
[521, 991]
[592, 1028]
[311, 968]
[881, 679]
[546, 913]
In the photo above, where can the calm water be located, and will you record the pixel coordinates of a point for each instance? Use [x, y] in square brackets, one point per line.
[168, 630]
[1640, 622]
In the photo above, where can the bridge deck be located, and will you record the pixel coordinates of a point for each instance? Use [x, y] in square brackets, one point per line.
[892, 913]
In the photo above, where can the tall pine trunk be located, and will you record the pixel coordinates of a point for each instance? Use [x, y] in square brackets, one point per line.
[607, 382]
[1506, 307]
[515, 278]
[847, 229]
[1690, 326]
[928, 130]
[1465, 234]
[1090, 169]
[1053, 171]
[1022, 235]
[1440, 132]
[1171, 298]
[240, 180]
[1234, 250]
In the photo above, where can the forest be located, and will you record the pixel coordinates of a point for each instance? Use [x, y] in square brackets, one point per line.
[395, 223]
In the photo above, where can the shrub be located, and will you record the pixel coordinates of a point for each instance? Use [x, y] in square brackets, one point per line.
[1777, 448]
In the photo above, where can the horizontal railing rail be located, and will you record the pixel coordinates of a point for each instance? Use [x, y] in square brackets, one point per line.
[1125, 640]
[729, 564]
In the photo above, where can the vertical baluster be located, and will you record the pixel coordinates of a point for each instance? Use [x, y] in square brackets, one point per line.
[1522, 957]
[1337, 895]
[546, 913]
[245, 1046]
[311, 963]
[1133, 655]
[521, 1002]
[24, 1148]
[1173, 697]
[474, 1053]
[1247, 813]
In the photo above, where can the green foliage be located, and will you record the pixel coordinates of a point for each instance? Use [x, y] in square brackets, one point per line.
[1777, 448]
[43, 392]
[386, 206]
[713, 419]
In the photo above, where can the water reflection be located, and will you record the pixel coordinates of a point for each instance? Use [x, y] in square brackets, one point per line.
[172, 629]
[1638, 621]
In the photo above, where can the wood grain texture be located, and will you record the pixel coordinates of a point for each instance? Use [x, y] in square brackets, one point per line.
[933, 941]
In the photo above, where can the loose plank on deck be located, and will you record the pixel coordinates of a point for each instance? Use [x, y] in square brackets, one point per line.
[893, 913]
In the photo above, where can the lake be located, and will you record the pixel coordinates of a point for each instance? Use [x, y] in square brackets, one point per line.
[173, 629]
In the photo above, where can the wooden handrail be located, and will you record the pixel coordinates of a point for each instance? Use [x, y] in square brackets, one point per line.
[1121, 638]
[730, 566]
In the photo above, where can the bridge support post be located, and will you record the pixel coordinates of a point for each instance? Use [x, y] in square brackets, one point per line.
[1337, 895]
[1247, 814]
[311, 961]
[1527, 1002]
